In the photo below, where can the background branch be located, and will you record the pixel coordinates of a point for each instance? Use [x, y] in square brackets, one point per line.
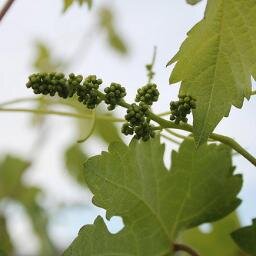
[5, 9]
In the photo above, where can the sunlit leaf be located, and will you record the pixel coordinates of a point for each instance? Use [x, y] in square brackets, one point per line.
[216, 62]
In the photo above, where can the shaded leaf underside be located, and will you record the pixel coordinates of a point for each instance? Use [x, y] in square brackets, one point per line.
[155, 204]
[246, 238]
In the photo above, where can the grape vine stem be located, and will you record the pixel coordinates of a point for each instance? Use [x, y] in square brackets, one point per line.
[186, 127]
[165, 124]
[184, 248]
[61, 113]
[5, 8]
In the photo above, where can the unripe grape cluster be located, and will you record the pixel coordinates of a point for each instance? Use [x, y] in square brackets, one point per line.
[181, 108]
[49, 83]
[147, 94]
[138, 122]
[88, 92]
[113, 94]
[52, 83]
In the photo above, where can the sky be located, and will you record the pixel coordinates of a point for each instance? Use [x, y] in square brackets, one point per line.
[144, 24]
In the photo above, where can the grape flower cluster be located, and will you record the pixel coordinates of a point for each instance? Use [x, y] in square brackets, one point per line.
[147, 94]
[113, 94]
[138, 116]
[138, 122]
[49, 83]
[181, 108]
[86, 90]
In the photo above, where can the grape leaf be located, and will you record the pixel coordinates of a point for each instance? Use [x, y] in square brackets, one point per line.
[216, 61]
[155, 204]
[193, 2]
[218, 239]
[107, 23]
[246, 238]
[68, 3]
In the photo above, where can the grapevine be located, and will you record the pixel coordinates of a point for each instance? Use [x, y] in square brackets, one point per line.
[161, 205]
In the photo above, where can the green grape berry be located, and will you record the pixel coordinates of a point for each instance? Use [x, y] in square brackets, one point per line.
[147, 94]
[113, 94]
[181, 108]
[88, 92]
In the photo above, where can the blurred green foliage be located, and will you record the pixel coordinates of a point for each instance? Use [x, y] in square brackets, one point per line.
[107, 23]
[5, 241]
[69, 3]
[193, 2]
[44, 61]
[12, 188]
[217, 241]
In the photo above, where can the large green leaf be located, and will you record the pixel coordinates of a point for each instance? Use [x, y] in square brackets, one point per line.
[155, 204]
[216, 61]
[246, 238]
[217, 241]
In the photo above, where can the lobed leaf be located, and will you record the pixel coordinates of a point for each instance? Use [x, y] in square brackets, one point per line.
[215, 63]
[155, 204]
